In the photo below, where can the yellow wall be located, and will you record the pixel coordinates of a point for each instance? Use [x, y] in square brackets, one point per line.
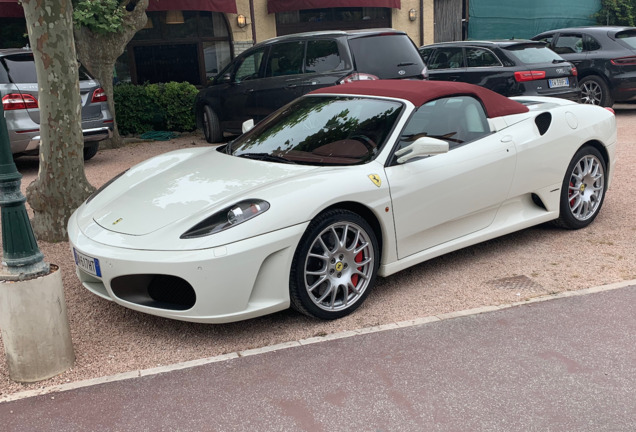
[265, 24]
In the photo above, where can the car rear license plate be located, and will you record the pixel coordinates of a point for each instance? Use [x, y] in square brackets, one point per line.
[87, 263]
[559, 82]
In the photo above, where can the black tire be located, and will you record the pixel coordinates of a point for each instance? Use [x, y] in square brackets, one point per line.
[583, 189]
[329, 279]
[211, 126]
[595, 91]
[90, 150]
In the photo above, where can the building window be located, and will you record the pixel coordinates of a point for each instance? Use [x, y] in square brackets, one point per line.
[193, 50]
[345, 18]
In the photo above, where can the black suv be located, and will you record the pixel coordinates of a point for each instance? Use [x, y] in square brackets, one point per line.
[605, 58]
[277, 71]
[509, 67]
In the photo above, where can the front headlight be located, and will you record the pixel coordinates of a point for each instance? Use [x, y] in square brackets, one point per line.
[227, 218]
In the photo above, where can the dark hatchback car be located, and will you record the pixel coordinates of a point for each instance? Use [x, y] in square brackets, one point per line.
[508, 67]
[275, 72]
[605, 58]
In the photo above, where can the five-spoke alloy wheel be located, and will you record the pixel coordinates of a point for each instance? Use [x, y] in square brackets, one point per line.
[335, 265]
[583, 189]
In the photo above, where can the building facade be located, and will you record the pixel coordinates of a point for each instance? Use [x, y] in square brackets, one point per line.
[191, 40]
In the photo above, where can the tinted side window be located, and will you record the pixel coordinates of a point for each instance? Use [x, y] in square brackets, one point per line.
[591, 44]
[457, 120]
[447, 58]
[480, 57]
[569, 43]
[286, 59]
[426, 54]
[322, 56]
[250, 66]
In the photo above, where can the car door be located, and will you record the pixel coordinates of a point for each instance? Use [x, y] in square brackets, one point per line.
[236, 89]
[440, 198]
[485, 69]
[572, 47]
[283, 79]
[446, 64]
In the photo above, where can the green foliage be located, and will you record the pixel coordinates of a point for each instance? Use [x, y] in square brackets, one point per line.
[158, 107]
[616, 12]
[99, 16]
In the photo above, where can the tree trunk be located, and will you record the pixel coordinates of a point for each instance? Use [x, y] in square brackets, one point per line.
[98, 53]
[61, 185]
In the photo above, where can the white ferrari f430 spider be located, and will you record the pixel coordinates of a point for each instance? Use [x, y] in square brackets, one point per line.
[346, 183]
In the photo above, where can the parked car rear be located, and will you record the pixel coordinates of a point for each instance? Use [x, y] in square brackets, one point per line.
[19, 92]
[605, 58]
[509, 67]
[277, 71]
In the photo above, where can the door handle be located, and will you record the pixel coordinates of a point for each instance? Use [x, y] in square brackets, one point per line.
[506, 139]
[248, 91]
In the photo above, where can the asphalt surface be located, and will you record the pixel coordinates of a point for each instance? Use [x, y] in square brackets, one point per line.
[567, 364]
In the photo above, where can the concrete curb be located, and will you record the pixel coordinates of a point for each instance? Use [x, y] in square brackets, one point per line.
[302, 342]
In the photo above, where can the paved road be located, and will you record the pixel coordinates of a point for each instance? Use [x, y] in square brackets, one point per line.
[560, 365]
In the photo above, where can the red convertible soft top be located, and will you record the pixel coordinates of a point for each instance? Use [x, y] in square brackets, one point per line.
[421, 92]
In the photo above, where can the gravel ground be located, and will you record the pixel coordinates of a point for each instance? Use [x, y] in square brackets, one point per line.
[539, 261]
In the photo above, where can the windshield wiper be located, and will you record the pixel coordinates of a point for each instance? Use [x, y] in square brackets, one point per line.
[266, 157]
[559, 60]
[405, 64]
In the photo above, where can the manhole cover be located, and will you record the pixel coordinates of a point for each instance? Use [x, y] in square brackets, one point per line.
[516, 283]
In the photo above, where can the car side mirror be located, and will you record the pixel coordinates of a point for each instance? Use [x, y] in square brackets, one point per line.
[226, 78]
[247, 125]
[425, 146]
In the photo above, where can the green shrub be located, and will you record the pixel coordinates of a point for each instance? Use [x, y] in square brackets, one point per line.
[148, 107]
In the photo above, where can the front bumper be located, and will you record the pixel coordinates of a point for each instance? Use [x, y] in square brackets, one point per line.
[229, 283]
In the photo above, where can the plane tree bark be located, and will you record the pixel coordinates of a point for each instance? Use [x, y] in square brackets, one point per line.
[61, 185]
[99, 45]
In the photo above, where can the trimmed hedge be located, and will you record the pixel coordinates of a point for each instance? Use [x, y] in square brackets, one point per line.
[155, 107]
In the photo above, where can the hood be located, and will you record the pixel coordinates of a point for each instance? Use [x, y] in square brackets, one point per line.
[180, 185]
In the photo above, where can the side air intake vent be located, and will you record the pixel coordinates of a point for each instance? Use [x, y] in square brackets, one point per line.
[543, 122]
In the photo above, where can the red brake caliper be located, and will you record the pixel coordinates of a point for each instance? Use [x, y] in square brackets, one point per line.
[355, 277]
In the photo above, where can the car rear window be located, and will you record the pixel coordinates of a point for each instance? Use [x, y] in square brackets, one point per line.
[628, 37]
[21, 69]
[533, 54]
[386, 55]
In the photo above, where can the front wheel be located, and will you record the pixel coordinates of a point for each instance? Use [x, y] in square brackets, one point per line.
[335, 265]
[583, 189]
[211, 126]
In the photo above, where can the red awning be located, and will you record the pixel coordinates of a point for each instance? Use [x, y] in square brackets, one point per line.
[294, 5]
[11, 9]
[200, 5]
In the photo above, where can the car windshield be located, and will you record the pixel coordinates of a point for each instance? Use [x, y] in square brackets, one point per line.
[321, 130]
[533, 54]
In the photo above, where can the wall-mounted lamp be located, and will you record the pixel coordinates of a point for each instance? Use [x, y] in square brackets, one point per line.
[174, 17]
[241, 21]
[412, 15]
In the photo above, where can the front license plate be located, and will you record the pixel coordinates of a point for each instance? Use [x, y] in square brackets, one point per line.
[559, 82]
[87, 263]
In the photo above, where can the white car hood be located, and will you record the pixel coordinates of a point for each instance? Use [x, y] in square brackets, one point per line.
[181, 184]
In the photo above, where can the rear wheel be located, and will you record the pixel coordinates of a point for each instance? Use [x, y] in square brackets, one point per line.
[583, 189]
[211, 126]
[90, 150]
[595, 91]
[335, 265]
